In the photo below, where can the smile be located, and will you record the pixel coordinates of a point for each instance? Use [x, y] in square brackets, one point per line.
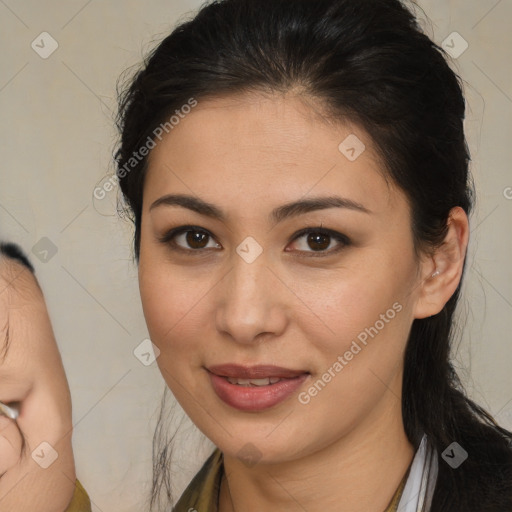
[249, 389]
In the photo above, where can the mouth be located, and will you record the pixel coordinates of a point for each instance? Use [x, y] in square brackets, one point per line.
[255, 373]
[254, 388]
[254, 382]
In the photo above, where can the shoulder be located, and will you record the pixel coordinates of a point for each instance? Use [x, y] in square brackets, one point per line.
[80, 501]
[202, 492]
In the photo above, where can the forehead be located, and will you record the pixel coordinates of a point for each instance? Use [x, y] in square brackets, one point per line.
[272, 148]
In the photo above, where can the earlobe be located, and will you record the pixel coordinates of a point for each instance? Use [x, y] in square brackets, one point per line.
[442, 272]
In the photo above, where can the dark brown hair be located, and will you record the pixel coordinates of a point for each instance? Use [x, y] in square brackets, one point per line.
[369, 62]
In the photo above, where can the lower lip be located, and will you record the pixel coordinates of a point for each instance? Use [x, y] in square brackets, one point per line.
[255, 398]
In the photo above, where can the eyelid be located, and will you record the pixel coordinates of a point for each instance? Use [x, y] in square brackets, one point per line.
[339, 237]
[169, 236]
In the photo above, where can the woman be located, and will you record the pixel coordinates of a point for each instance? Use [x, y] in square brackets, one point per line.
[297, 174]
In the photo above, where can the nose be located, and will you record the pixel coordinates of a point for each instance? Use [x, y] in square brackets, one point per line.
[251, 302]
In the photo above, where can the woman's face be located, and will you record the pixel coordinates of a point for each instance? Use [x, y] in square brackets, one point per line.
[245, 285]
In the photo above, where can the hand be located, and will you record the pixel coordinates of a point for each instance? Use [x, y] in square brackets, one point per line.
[31, 373]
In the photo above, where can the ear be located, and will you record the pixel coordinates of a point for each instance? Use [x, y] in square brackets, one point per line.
[440, 274]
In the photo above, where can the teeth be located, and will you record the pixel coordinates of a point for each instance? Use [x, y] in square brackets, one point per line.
[254, 382]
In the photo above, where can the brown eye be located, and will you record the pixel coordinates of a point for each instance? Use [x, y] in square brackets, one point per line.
[317, 241]
[189, 238]
[320, 241]
[196, 239]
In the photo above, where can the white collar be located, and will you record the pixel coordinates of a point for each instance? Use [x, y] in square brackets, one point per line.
[419, 488]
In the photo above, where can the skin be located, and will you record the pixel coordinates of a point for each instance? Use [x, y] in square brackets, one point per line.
[31, 373]
[248, 154]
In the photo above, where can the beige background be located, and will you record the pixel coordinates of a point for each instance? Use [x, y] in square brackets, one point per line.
[56, 136]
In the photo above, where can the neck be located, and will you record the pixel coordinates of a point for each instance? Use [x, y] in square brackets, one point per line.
[360, 471]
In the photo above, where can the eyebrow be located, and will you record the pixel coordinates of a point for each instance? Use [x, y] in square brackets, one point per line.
[277, 215]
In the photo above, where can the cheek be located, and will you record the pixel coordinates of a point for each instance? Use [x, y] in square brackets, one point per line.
[10, 444]
[349, 302]
[365, 315]
[173, 308]
[359, 358]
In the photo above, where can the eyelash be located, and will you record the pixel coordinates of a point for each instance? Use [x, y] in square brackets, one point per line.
[168, 239]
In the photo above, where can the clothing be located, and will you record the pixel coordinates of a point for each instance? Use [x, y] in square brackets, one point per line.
[80, 501]
[421, 482]
[202, 494]
[414, 493]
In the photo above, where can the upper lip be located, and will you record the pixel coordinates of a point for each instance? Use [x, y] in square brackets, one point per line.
[254, 372]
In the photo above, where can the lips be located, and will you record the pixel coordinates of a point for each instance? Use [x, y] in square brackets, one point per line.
[255, 388]
[255, 372]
